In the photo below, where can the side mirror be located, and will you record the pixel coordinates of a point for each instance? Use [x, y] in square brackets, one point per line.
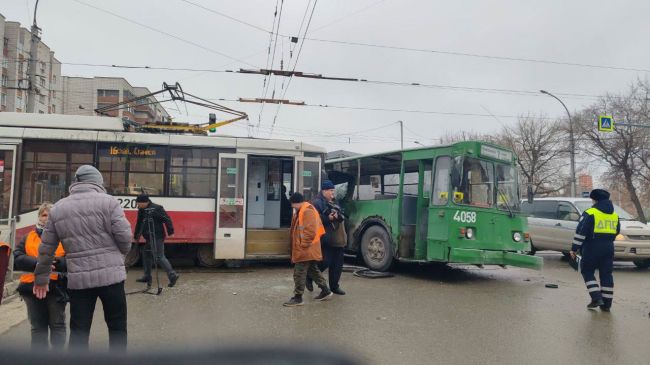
[529, 194]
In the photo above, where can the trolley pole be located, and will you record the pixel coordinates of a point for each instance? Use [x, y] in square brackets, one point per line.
[31, 67]
[401, 133]
[571, 142]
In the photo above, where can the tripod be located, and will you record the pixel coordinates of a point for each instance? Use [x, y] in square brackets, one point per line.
[153, 250]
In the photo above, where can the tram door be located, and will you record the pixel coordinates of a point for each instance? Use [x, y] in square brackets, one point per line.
[308, 176]
[230, 236]
[7, 163]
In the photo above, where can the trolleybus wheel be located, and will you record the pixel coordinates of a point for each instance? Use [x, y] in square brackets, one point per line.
[133, 256]
[205, 256]
[376, 249]
[642, 264]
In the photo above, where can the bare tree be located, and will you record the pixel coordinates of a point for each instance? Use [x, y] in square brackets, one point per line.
[624, 151]
[540, 146]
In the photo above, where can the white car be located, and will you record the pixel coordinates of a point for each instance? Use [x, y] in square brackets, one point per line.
[552, 223]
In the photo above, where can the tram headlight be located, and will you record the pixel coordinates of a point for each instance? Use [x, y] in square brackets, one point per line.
[517, 236]
[469, 233]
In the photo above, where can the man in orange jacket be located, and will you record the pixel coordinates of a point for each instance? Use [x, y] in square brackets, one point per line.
[306, 230]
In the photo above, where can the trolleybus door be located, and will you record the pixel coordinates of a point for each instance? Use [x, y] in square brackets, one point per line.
[230, 235]
[7, 163]
[308, 176]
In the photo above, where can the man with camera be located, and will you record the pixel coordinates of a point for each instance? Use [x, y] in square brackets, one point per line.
[151, 219]
[335, 238]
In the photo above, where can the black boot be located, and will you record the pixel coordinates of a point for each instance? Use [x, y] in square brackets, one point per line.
[325, 294]
[595, 304]
[338, 291]
[295, 301]
[172, 280]
[144, 279]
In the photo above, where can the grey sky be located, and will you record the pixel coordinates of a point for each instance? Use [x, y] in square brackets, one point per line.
[588, 32]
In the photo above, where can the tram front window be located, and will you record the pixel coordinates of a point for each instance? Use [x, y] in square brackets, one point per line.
[473, 182]
[507, 188]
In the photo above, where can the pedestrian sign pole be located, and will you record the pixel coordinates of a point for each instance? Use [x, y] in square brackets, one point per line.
[605, 123]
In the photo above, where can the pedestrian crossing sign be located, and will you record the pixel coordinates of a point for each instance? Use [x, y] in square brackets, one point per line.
[605, 123]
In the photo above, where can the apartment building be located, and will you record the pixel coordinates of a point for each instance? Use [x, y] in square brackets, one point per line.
[82, 95]
[16, 45]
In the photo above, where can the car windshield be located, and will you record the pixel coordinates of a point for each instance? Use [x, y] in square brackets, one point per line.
[622, 214]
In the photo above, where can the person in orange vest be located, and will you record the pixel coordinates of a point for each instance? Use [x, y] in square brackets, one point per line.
[47, 313]
[306, 231]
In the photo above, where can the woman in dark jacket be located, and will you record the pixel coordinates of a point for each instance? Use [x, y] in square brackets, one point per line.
[47, 313]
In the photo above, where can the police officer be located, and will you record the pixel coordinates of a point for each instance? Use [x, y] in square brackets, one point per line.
[594, 239]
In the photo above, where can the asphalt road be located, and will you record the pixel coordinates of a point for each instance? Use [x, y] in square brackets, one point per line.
[423, 315]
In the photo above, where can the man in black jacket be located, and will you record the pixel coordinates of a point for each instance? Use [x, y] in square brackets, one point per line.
[331, 216]
[147, 209]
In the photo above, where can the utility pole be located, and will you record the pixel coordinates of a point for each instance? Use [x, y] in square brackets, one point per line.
[571, 142]
[31, 67]
[401, 133]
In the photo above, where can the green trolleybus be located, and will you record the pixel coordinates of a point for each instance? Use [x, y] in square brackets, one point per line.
[455, 203]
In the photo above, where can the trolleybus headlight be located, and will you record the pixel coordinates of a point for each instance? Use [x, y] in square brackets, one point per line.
[469, 233]
[620, 237]
[516, 236]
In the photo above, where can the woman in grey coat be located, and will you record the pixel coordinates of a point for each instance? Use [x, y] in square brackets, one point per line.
[91, 226]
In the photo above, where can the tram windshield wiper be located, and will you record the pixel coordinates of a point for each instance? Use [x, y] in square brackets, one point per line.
[505, 201]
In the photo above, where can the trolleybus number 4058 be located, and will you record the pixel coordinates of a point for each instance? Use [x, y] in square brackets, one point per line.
[465, 217]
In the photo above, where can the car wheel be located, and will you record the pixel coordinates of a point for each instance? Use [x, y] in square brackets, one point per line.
[533, 249]
[642, 264]
[377, 249]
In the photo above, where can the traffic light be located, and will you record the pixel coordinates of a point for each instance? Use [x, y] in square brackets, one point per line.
[212, 120]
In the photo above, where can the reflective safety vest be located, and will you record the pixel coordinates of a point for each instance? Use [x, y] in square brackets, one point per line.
[319, 231]
[603, 223]
[31, 249]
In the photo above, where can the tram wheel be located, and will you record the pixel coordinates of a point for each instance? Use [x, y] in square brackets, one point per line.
[133, 256]
[205, 256]
[376, 249]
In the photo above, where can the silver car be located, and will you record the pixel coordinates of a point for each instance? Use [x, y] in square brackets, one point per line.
[553, 221]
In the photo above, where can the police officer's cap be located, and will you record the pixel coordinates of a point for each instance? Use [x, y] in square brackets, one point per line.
[599, 194]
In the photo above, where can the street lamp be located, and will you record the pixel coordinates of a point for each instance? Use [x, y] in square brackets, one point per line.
[572, 144]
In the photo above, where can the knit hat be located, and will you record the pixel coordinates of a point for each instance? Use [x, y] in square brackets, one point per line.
[599, 194]
[296, 198]
[142, 198]
[327, 185]
[90, 174]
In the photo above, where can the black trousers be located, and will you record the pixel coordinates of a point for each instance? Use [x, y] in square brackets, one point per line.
[47, 319]
[333, 262]
[82, 308]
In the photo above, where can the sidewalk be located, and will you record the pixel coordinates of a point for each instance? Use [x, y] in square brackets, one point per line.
[12, 309]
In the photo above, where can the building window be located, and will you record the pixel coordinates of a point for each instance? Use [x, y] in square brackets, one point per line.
[5, 80]
[3, 99]
[48, 168]
[5, 43]
[54, 79]
[42, 82]
[42, 68]
[5, 63]
[103, 92]
[41, 99]
[53, 109]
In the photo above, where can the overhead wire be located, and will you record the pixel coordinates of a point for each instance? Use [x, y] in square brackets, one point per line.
[275, 33]
[164, 33]
[277, 111]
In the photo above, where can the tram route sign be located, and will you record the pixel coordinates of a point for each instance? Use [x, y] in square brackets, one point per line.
[605, 123]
